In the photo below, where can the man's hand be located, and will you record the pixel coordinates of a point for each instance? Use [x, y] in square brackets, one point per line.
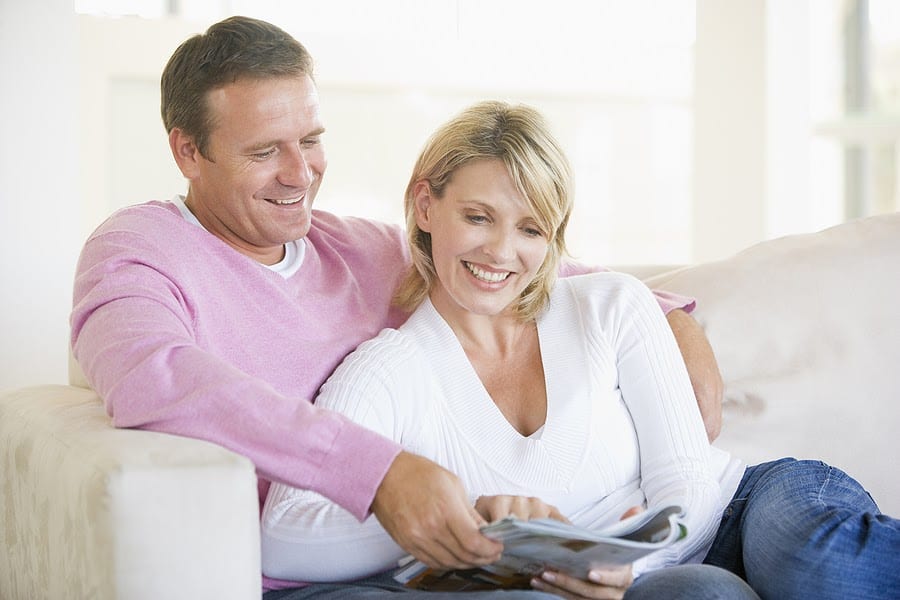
[425, 509]
[702, 368]
[493, 508]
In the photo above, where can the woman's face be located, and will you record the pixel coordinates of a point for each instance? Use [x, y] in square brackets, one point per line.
[486, 244]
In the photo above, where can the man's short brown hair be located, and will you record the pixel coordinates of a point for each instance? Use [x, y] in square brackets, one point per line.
[236, 48]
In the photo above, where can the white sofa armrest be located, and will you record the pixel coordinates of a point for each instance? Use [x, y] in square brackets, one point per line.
[90, 511]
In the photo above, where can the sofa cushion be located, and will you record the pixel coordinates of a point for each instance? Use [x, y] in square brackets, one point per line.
[806, 329]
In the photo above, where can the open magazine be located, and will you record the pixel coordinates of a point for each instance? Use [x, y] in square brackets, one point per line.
[530, 547]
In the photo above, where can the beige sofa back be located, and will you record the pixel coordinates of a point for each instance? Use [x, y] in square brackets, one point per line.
[806, 329]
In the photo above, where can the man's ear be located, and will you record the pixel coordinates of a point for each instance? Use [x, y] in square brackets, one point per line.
[423, 199]
[187, 155]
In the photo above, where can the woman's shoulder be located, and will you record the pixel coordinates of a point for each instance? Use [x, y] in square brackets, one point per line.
[605, 285]
[376, 383]
[390, 348]
[600, 300]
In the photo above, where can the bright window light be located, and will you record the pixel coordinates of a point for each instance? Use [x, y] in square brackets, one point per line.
[148, 9]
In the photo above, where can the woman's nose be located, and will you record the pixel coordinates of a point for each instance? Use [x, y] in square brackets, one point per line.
[501, 246]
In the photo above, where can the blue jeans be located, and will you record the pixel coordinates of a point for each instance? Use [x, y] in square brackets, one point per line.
[803, 529]
[688, 582]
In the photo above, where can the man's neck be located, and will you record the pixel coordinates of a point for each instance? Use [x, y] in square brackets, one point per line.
[207, 220]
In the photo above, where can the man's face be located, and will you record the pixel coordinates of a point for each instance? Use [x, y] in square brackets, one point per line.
[265, 163]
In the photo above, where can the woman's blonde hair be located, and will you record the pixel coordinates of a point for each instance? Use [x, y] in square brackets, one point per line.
[519, 136]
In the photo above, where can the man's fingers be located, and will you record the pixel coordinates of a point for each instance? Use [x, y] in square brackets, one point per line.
[425, 509]
[471, 547]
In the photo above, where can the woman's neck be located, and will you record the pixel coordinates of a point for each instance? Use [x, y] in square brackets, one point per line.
[494, 336]
[506, 354]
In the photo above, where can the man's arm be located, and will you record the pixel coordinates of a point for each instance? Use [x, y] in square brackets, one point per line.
[702, 368]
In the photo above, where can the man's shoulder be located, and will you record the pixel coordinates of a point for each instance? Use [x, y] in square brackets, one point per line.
[343, 227]
[364, 239]
[140, 218]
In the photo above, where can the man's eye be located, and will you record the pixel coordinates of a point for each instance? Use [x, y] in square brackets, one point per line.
[264, 155]
[309, 142]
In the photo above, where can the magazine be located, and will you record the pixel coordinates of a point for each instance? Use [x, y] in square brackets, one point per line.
[530, 547]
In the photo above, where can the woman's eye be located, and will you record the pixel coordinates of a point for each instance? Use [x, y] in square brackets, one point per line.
[477, 219]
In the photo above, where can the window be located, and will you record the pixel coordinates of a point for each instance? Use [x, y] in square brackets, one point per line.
[695, 127]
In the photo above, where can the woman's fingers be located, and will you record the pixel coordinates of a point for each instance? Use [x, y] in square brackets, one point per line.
[602, 584]
[497, 507]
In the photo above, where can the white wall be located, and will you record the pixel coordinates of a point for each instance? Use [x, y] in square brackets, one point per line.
[759, 171]
[82, 135]
[38, 188]
[390, 72]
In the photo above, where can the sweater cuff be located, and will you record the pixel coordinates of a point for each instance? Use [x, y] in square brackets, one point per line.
[356, 464]
[669, 301]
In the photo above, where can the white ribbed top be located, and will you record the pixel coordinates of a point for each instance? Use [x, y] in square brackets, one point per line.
[622, 426]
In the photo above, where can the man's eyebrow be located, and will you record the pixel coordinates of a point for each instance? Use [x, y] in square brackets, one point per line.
[268, 144]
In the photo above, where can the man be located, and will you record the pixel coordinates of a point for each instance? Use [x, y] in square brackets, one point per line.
[218, 315]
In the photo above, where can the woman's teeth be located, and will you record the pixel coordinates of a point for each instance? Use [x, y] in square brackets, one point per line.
[485, 275]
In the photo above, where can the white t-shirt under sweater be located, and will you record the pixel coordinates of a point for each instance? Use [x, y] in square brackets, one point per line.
[622, 429]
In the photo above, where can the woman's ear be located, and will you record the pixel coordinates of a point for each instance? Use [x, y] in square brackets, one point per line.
[423, 199]
[184, 150]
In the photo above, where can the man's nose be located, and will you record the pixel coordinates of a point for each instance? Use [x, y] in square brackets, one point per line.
[295, 169]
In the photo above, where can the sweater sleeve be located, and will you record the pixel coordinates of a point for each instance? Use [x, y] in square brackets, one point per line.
[674, 451]
[133, 335]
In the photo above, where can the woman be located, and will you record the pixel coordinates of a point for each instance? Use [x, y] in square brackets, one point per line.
[572, 391]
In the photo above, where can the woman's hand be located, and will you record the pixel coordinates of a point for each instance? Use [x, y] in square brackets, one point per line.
[601, 583]
[493, 508]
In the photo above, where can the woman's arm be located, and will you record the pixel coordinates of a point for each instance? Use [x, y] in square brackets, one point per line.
[654, 383]
[306, 537]
[694, 346]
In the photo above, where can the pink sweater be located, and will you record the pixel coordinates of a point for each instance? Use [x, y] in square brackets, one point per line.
[179, 333]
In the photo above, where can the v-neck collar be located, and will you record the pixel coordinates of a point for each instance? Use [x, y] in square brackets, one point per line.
[546, 461]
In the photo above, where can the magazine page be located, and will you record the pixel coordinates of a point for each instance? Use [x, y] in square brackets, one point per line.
[529, 547]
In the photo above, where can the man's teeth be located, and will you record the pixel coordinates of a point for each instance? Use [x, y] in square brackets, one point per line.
[485, 275]
[288, 201]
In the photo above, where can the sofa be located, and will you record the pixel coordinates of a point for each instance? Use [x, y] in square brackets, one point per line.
[806, 329]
